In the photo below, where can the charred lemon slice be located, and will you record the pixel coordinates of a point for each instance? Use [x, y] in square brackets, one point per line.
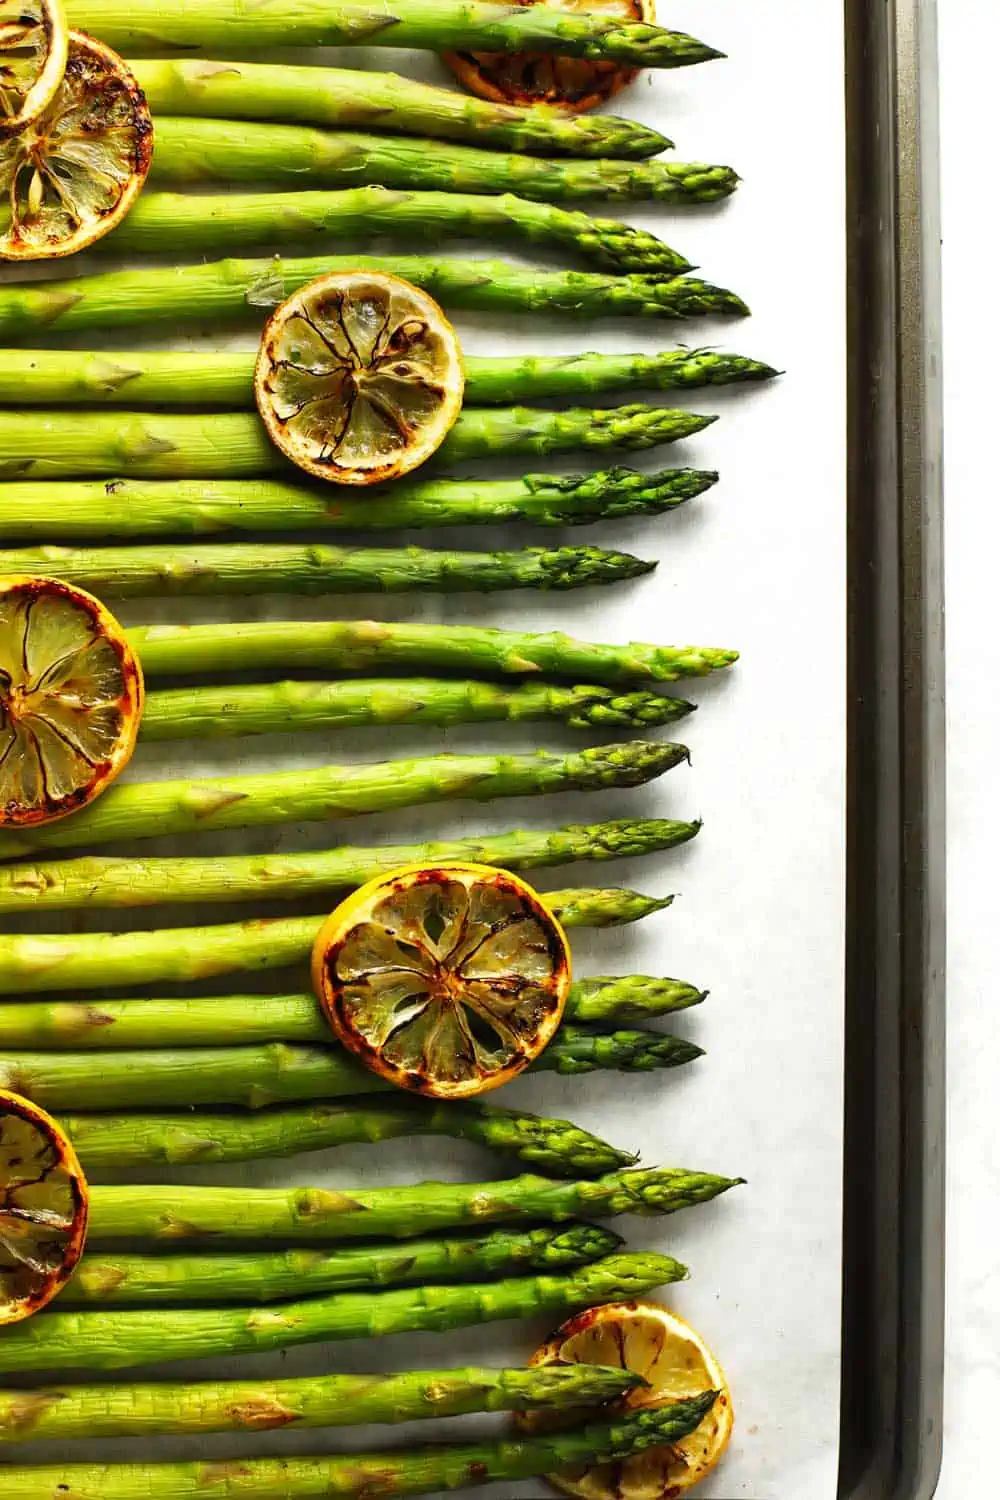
[70, 700]
[34, 39]
[676, 1363]
[570, 83]
[69, 177]
[359, 377]
[43, 1208]
[446, 980]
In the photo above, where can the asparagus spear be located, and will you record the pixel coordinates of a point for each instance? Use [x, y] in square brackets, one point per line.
[289, 707]
[229, 291]
[556, 1147]
[192, 953]
[91, 1411]
[192, 26]
[346, 98]
[139, 377]
[311, 569]
[226, 1214]
[94, 510]
[360, 645]
[233, 445]
[190, 152]
[630, 997]
[254, 1077]
[151, 809]
[105, 1339]
[269, 1276]
[219, 1020]
[359, 1476]
[248, 221]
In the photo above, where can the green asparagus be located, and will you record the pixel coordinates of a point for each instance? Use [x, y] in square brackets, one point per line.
[360, 1476]
[191, 152]
[353, 99]
[188, 26]
[105, 1339]
[219, 1020]
[93, 1411]
[296, 1215]
[290, 707]
[152, 809]
[253, 1077]
[92, 881]
[224, 223]
[140, 377]
[239, 291]
[629, 997]
[360, 645]
[232, 445]
[556, 1147]
[310, 569]
[270, 1276]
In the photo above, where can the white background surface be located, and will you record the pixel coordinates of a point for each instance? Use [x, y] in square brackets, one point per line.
[970, 39]
[758, 563]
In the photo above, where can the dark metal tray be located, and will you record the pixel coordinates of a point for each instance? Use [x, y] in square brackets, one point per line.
[895, 1108]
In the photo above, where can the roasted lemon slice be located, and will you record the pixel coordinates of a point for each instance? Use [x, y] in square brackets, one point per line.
[676, 1363]
[43, 1208]
[570, 83]
[69, 177]
[446, 980]
[34, 38]
[359, 377]
[70, 700]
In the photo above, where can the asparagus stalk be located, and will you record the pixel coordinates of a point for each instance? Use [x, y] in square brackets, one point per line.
[106, 1339]
[191, 152]
[556, 1147]
[253, 1077]
[361, 645]
[220, 1020]
[237, 291]
[351, 98]
[232, 445]
[270, 1276]
[311, 569]
[359, 1476]
[151, 809]
[92, 1411]
[182, 954]
[289, 707]
[93, 510]
[227, 222]
[191, 26]
[139, 377]
[302, 1215]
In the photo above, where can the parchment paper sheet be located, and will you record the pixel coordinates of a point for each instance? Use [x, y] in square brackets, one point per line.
[758, 563]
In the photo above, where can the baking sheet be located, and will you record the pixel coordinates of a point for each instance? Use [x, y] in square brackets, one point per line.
[757, 563]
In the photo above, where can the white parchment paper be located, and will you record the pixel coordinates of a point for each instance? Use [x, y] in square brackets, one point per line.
[757, 563]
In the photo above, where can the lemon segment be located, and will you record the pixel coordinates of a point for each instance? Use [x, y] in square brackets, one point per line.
[676, 1363]
[70, 700]
[445, 980]
[68, 178]
[359, 377]
[34, 42]
[574, 84]
[43, 1208]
